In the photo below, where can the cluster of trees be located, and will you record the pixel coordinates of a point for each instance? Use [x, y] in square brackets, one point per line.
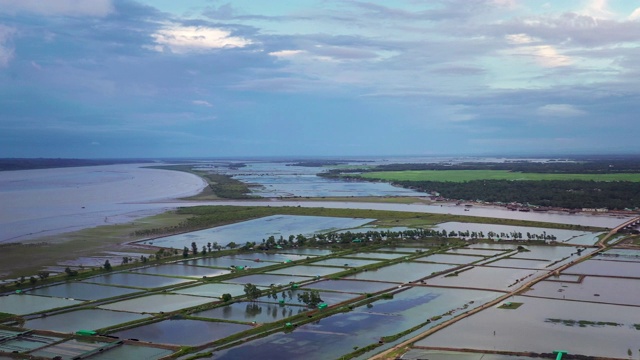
[570, 194]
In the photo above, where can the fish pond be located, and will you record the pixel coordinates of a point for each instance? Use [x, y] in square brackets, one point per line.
[82, 291]
[267, 279]
[594, 289]
[352, 286]
[483, 277]
[157, 303]
[346, 262]
[131, 352]
[136, 280]
[89, 319]
[606, 268]
[252, 311]
[215, 290]
[226, 262]
[401, 273]
[182, 332]
[22, 304]
[451, 259]
[258, 229]
[182, 270]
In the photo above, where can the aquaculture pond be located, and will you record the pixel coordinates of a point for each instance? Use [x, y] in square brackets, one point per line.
[346, 262]
[72, 349]
[402, 272]
[451, 259]
[481, 277]
[267, 279]
[376, 255]
[331, 337]
[215, 290]
[561, 235]
[306, 270]
[89, 319]
[352, 286]
[620, 254]
[136, 280]
[131, 352]
[402, 249]
[328, 297]
[21, 343]
[82, 291]
[182, 332]
[158, 303]
[182, 270]
[258, 229]
[519, 263]
[252, 311]
[551, 253]
[477, 252]
[22, 304]
[606, 268]
[278, 258]
[577, 327]
[593, 289]
[306, 252]
[226, 262]
[421, 354]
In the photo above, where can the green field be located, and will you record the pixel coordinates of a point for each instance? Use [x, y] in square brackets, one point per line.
[469, 175]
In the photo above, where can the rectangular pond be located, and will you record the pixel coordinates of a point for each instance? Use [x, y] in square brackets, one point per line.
[306, 270]
[132, 352]
[82, 291]
[331, 337]
[401, 273]
[252, 311]
[546, 252]
[481, 277]
[136, 280]
[215, 290]
[226, 262]
[554, 324]
[182, 332]
[606, 268]
[593, 289]
[71, 349]
[421, 354]
[273, 257]
[451, 259]
[267, 279]
[620, 254]
[158, 303]
[306, 252]
[376, 255]
[351, 286]
[519, 263]
[89, 319]
[346, 262]
[182, 270]
[22, 304]
[291, 297]
[407, 250]
[258, 229]
[26, 342]
[477, 252]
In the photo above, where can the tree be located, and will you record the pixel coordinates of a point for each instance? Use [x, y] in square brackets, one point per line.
[70, 272]
[310, 298]
[33, 280]
[226, 297]
[107, 265]
[43, 275]
[251, 291]
[194, 248]
[185, 252]
[204, 250]
[232, 245]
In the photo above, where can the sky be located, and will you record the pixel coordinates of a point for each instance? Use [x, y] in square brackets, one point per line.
[209, 78]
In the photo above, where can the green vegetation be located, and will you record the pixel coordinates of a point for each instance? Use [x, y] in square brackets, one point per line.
[311, 298]
[470, 175]
[582, 323]
[510, 305]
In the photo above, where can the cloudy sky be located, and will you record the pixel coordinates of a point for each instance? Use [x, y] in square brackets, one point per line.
[166, 78]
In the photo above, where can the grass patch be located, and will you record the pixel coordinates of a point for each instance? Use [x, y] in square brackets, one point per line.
[582, 323]
[470, 175]
[510, 305]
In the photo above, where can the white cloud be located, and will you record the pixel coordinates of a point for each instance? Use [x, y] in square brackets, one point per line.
[544, 55]
[560, 110]
[6, 51]
[202, 103]
[598, 9]
[98, 8]
[286, 53]
[183, 39]
[635, 15]
[518, 39]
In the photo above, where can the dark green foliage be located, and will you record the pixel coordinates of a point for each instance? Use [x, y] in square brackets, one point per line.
[310, 298]
[252, 292]
[226, 297]
[107, 265]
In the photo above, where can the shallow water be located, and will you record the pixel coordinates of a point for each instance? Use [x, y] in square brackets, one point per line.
[401, 273]
[606, 268]
[451, 259]
[26, 304]
[82, 291]
[131, 352]
[306, 270]
[267, 279]
[353, 286]
[328, 297]
[91, 319]
[135, 280]
[213, 290]
[593, 289]
[24, 343]
[252, 311]
[481, 277]
[346, 262]
[182, 332]
[158, 303]
[226, 261]
[70, 349]
[258, 229]
[376, 255]
[561, 234]
[528, 329]
[182, 270]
